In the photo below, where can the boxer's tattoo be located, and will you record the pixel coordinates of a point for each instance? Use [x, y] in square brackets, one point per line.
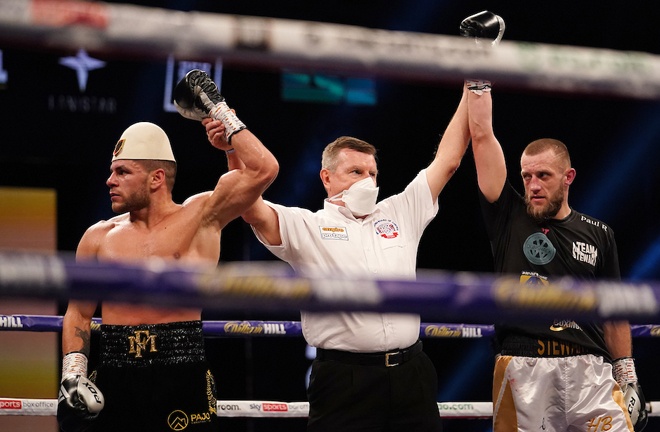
[85, 336]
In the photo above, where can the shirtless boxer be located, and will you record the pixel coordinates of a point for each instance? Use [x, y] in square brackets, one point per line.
[152, 372]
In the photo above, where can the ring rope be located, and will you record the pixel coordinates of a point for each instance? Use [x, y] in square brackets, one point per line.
[48, 323]
[275, 287]
[255, 408]
[277, 43]
[248, 408]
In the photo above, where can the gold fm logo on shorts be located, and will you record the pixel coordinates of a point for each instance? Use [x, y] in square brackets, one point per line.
[140, 342]
[178, 420]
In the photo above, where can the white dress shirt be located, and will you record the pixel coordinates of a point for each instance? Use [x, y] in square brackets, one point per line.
[384, 244]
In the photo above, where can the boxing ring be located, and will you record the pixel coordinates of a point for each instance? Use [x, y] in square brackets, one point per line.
[274, 286]
[266, 42]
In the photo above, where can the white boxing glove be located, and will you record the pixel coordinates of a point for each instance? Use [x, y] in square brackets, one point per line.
[79, 399]
[625, 375]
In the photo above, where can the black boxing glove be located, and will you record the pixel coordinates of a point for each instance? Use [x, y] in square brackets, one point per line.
[197, 97]
[625, 375]
[79, 401]
[483, 26]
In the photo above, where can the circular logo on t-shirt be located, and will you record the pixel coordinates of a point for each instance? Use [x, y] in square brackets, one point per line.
[538, 249]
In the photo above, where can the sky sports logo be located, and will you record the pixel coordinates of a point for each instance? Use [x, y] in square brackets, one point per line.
[272, 407]
[11, 404]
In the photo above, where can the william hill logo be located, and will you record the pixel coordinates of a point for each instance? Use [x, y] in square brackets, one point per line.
[10, 321]
[244, 327]
[441, 331]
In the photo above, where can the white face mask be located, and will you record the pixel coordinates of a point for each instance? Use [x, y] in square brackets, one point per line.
[360, 198]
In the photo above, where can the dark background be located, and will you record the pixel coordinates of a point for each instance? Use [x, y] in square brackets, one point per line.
[53, 135]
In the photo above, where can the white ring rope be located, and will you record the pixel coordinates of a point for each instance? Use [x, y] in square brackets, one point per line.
[155, 32]
[248, 408]
[255, 408]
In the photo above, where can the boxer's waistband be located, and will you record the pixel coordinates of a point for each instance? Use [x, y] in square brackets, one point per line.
[526, 346]
[152, 344]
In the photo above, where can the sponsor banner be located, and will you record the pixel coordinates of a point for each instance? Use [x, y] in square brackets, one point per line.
[443, 330]
[245, 408]
[35, 407]
[253, 328]
[466, 409]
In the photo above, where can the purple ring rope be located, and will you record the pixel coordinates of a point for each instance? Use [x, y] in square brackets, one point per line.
[251, 328]
[275, 287]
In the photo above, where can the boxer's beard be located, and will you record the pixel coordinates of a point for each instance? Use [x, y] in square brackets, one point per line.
[137, 201]
[548, 211]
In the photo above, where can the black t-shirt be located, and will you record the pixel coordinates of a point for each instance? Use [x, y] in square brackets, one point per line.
[578, 246]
